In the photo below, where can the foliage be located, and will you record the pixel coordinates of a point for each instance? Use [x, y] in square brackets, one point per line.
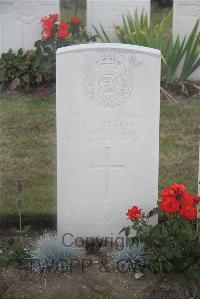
[14, 252]
[21, 70]
[129, 259]
[139, 31]
[174, 243]
[57, 34]
[50, 253]
[193, 272]
[30, 69]
[13, 231]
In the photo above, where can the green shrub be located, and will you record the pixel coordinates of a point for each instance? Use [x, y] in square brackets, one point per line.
[27, 70]
[74, 33]
[15, 253]
[173, 245]
[21, 70]
[138, 31]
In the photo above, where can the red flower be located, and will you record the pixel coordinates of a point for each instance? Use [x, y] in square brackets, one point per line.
[196, 198]
[188, 199]
[75, 20]
[166, 192]
[63, 30]
[176, 198]
[188, 211]
[134, 213]
[42, 92]
[177, 190]
[170, 205]
[188, 207]
[46, 34]
[47, 23]
[54, 17]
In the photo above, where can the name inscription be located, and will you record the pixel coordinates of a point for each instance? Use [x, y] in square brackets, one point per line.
[106, 130]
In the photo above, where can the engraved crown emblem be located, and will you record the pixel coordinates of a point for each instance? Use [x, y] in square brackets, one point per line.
[109, 80]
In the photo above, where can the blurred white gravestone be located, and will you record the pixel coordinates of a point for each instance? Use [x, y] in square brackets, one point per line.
[20, 23]
[185, 15]
[108, 13]
[107, 135]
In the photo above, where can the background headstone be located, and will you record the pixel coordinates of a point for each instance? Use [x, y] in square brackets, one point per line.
[107, 135]
[109, 13]
[185, 15]
[20, 23]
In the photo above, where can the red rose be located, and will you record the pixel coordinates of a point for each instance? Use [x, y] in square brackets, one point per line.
[196, 198]
[54, 17]
[170, 205]
[75, 20]
[166, 192]
[134, 213]
[188, 207]
[42, 92]
[177, 190]
[188, 199]
[47, 23]
[188, 211]
[46, 34]
[63, 30]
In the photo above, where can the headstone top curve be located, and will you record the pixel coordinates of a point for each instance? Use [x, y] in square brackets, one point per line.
[118, 46]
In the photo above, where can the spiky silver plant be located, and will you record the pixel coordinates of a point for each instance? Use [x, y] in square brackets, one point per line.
[129, 259]
[49, 253]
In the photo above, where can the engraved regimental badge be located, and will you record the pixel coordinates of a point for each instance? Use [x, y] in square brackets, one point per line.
[27, 11]
[108, 80]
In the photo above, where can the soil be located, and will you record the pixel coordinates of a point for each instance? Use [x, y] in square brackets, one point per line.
[93, 282]
[183, 90]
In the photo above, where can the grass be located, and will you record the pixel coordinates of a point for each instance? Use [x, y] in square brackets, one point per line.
[28, 151]
[179, 142]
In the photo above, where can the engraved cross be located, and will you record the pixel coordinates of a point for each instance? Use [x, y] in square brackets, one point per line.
[107, 166]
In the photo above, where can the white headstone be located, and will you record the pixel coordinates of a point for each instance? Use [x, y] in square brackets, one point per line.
[185, 15]
[20, 23]
[108, 99]
[109, 13]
